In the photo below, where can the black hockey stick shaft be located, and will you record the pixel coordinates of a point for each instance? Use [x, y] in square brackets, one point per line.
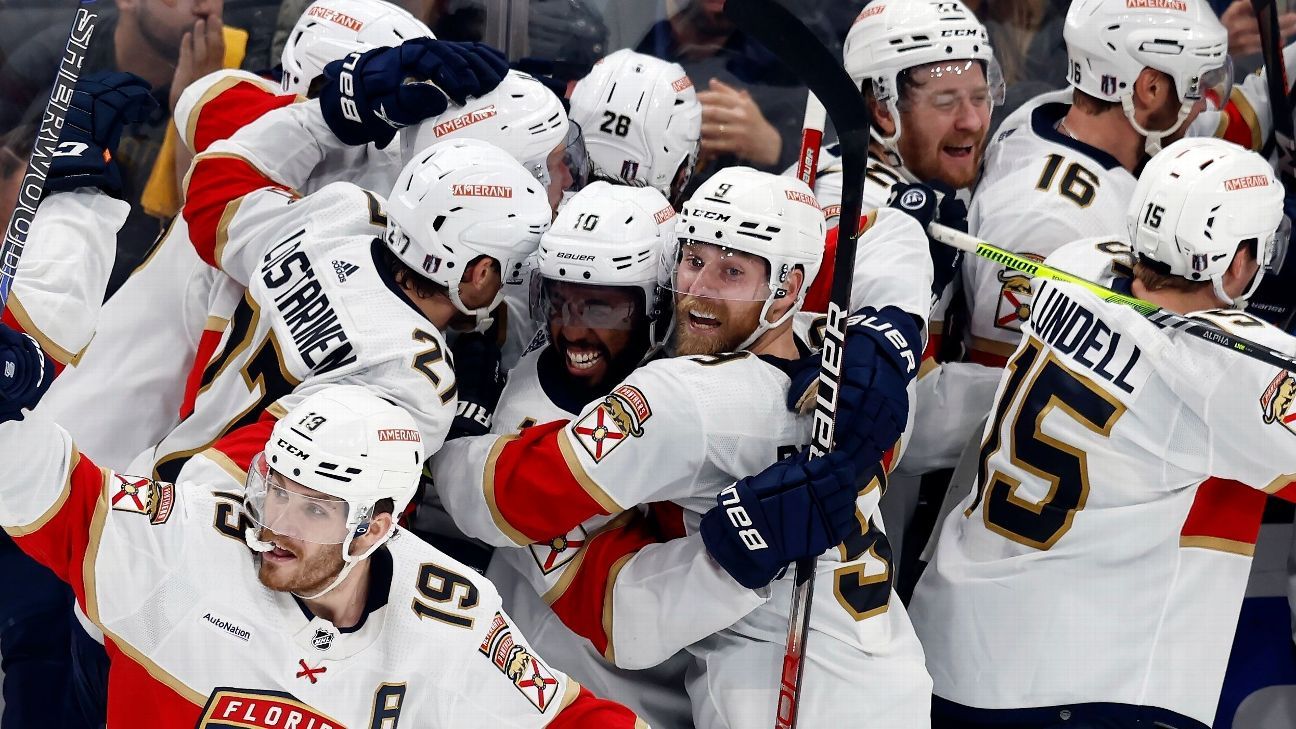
[1153, 313]
[1276, 298]
[33, 183]
[782, 32]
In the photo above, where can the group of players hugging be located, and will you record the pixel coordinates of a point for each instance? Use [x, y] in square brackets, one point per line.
[414, 292]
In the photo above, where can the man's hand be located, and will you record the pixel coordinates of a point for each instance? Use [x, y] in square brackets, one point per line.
[732, 123]
[882, 352]
[202, 51]
[25, 373]
[102, 105]
[480, 379]
[1244, 32]
[796, 508]
[934, 202]
[367, 96]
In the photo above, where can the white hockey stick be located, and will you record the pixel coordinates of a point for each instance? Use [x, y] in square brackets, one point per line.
[33, 184]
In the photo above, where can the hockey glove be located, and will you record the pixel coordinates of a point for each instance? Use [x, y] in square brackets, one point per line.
[367, 96]
[101, 106]
[934, 202]
[479, 378]
[26, 373]
[795, 508]
[880, 359]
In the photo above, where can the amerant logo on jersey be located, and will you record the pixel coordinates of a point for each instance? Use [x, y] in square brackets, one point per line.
[144, 496]
[402, 434]
[1179, 5]
[463, 120]
[1277, 400]
[233, 708]
[664, 214]
[333, 16]
[1245, 183]
[530, 677]
[461, 190]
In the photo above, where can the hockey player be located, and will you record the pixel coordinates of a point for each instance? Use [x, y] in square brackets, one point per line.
[748, 243]
[174, 308]
[1095, 576]
[1062, 167]
[642, 122]
[330, 618]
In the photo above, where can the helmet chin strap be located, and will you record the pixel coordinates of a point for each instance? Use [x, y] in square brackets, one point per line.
[765, 325]
[481, 317]
[1152, 139]
[348, 563]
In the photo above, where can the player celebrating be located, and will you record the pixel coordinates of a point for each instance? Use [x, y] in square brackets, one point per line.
[1062, 167]
[1096, 574]
[642, 122]
[748, 243]
[321, 625]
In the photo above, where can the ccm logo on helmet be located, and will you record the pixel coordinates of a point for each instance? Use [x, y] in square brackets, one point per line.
[292, 449]
[738, 517]
[460, 122]
[1243, 183]
[958, 32]
[342, 19]
[462, 190]
[709, 215]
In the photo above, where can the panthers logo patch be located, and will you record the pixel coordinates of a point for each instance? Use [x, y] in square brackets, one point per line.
[620, 416]
[1277, 401]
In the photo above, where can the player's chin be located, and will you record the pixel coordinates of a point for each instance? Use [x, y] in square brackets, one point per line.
[959, 163]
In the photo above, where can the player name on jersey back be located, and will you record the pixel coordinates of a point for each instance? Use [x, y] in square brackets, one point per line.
[1074, 330]
[305, 308]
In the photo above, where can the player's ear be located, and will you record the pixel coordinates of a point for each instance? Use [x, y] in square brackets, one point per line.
[881, 116]
[379, 526]
[795, 280]
[1151, 87]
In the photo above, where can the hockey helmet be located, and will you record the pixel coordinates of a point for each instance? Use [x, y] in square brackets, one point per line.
[330, 29]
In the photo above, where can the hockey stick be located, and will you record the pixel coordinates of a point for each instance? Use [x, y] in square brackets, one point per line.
[1276, 293]
[1152, 312]
[33, 184]
[812, 131]
[779, 30]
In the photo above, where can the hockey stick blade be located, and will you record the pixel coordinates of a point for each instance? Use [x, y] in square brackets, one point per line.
[1153, 313]
[782, 33]
[33, 183]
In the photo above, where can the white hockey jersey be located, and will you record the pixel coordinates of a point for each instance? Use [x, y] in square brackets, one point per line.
[1040, 189]
[1104, 554]
[320, 306]
[196, 640]
[680, 430]
[878, 180]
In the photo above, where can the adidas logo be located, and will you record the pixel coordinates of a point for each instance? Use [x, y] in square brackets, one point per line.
[344, 269]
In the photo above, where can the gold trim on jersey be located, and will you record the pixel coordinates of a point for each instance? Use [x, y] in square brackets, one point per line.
[59, 354]
[993, 346]
[569, 695]
[574, 465]
[1248, 114]
[23, 530]
[861, 569]
[225, 463]
[1280, 483]
[617, 566]
[92, 605]
[926, 367]
[1218, 544]
[157, 246]
[488, 490]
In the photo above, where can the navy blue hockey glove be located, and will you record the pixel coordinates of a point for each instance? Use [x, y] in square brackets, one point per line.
[479, 378]
[101, 106]
[367, 96]
[934, 202]
[883, 349]
[796, 508]
[26, 373]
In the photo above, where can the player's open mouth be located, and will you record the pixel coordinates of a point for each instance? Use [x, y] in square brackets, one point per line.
[702, 321]
[582, 359]
[958, 151]
[278, 555]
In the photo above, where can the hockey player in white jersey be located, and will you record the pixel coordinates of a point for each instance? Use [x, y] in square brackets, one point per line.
[1095, 576]
[175, 307]
[1062, 167]
[642, 122]
[316, 267]
[682, 429]
[289, 598]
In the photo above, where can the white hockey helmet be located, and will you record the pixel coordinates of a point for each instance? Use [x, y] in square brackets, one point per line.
[521, 116]
[606, 235]
[350, 445]
[740, 209]
[1197, 201]
[459, 200]
[330, 29]
[641, 119]
[1110, 42]
[890, 37]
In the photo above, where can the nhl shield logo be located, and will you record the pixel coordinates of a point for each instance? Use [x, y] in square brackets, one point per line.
[1277, 401]
[323, 639]
[1015, 297]
[1108, 84]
